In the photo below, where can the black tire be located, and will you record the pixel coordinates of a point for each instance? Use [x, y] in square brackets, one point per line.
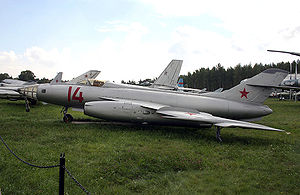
[68, 118]
[33, 101]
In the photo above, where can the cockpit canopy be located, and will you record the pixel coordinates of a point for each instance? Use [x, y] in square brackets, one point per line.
[93, 82]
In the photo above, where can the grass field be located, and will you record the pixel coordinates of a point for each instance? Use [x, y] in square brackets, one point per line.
[119, 159]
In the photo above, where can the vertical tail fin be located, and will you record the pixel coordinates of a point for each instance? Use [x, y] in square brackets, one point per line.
[180, 82]
[57, 79]
[88, 75]
[254, 90]
[169, 77]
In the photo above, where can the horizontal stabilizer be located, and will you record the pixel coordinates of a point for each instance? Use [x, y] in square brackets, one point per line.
[278, 87]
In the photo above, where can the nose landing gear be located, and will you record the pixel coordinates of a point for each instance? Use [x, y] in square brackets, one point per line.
[67, 117]
[27, 106]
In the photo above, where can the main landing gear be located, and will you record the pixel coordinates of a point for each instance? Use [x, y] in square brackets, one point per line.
[29, 102]
[27, 105]
[67, 117]
[218, 134]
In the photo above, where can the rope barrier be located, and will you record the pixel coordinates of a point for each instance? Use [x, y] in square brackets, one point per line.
[37, 166]
[52, 166]
[76, 181]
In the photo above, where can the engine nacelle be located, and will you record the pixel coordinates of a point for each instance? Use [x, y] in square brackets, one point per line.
[130, 112]
[119, 111]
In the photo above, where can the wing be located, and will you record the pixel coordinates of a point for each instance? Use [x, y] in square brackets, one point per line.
[203, 117]
[193, 115]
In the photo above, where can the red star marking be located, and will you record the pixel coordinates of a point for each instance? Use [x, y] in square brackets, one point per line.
[244, 93]
[57, 81]
[189, 113]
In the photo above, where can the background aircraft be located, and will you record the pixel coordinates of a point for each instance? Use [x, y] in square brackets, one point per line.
[230, 108]
[10, 89]
[166, 81]
[91, 74]
[15, 83]
[289, 81]
[169, 77]
[15, 89]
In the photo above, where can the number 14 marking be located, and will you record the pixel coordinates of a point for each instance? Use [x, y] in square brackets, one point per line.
[74, 97]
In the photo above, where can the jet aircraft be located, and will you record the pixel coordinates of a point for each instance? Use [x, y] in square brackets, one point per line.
[230, 108]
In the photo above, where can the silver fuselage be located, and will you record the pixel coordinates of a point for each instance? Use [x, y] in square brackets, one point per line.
[77, 95]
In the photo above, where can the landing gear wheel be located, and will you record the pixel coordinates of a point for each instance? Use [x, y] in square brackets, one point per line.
[68, 118]
[33, 102]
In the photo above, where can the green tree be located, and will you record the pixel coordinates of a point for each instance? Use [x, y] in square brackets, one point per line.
[43, 80]
[27, 75]
[4, 76]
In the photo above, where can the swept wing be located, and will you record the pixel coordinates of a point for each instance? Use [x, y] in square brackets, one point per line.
[183, 114]
[210, 119]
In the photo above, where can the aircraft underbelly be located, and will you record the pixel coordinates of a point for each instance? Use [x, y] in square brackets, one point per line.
[128, 112]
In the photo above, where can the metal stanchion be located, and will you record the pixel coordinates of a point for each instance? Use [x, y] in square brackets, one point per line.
[62, 174]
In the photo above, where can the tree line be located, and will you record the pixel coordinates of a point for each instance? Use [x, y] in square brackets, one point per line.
[219, 77]
[25, 75]
[209, 78]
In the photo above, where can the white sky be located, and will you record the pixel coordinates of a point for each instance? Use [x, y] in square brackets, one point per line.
[136, 39]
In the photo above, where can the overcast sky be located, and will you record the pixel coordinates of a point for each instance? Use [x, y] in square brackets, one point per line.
[136, 39]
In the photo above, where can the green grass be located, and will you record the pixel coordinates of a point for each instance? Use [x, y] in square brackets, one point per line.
[116, 159]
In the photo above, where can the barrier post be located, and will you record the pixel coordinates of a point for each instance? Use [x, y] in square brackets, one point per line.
[62, 173]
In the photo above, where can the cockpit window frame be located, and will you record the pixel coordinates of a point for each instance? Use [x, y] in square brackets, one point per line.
[93, 82]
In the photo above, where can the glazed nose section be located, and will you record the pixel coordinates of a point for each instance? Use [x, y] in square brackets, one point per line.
[29, 92]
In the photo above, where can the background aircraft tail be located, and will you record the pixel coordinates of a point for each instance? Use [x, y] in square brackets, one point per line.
[180, 82]
[169, 77]
[88, 75]
[254, 90]
[57, 79]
